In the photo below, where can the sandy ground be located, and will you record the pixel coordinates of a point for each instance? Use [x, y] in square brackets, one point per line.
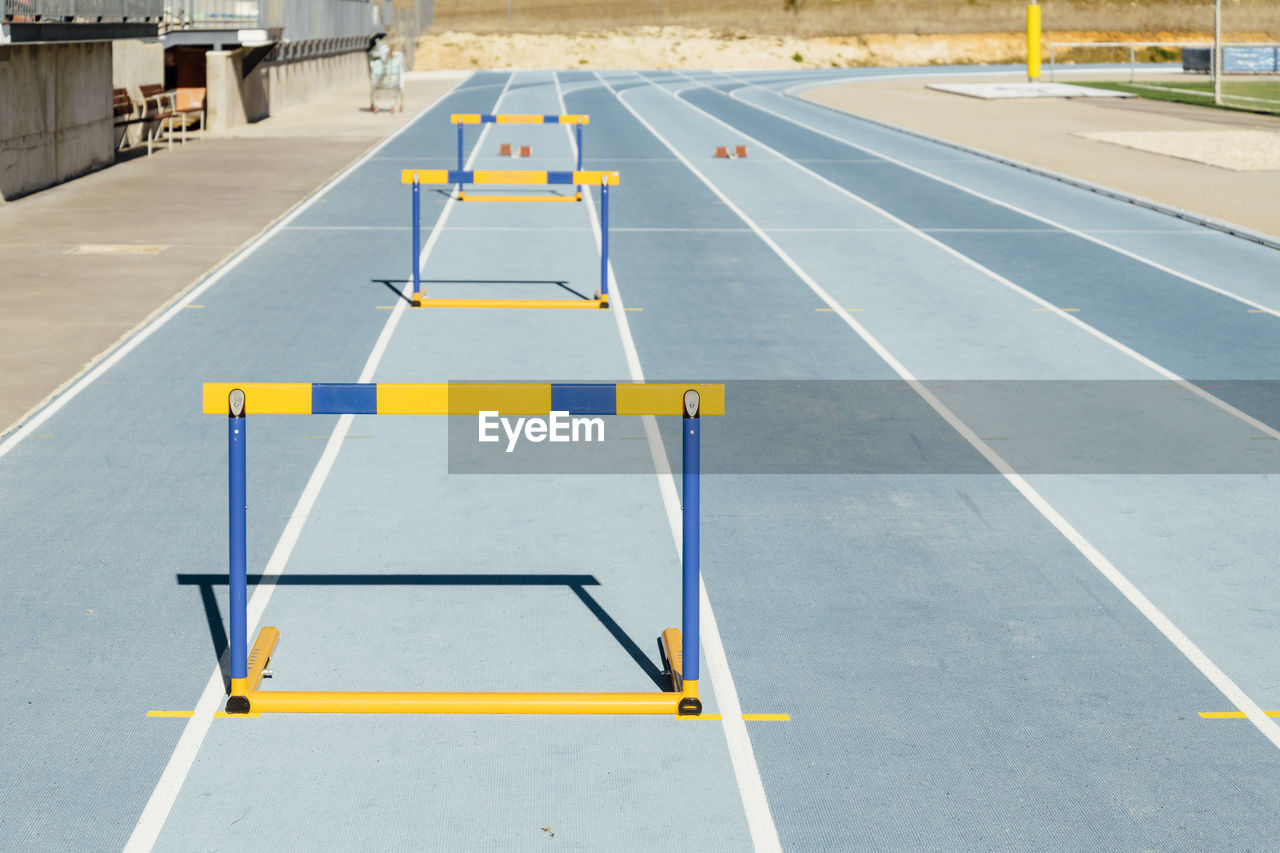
[1059, 135]
[680, 47]
[1238, 150]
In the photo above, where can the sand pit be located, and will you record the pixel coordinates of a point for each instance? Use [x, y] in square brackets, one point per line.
[1237, 150]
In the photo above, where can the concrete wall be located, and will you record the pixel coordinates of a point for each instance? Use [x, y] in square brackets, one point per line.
[55, 114]
[230, 98]
[134, 63]
[295, 81]
[235, 99]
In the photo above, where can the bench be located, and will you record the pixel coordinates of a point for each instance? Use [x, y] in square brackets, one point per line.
[155, 106]
[188, 107]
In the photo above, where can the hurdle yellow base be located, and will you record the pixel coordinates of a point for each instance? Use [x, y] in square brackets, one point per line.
[462, 196]
[421, 301]
[246, 698]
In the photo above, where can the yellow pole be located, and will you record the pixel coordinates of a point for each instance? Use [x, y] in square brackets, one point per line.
[1033, 42]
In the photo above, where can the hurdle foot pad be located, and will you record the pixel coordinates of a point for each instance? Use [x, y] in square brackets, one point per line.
[504, 150]
[690, 706]
[238, 705]
[739, 152]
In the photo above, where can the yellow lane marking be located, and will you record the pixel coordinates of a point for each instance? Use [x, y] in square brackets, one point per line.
[1055, 309]
[1252, 438]
[1232, 715]
[842, 309]
[980, 438]
[635, 309]
[225, 715]
[1263, 311]
[194, 306]
[385, 307]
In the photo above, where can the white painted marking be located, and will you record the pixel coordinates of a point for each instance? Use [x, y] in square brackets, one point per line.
[1023, 89]
[160, 804]
[764, 833]
[1162, 623]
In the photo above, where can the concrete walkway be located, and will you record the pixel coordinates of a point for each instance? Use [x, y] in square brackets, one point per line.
[1046, 133]
[89, 260]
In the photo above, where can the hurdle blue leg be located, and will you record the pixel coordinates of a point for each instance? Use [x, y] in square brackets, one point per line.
[417, 231]
[604, 238]
[579, 127]
[459, 155]
[238, 634]
[691, 478]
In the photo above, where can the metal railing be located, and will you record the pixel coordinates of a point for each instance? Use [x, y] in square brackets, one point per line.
[1133, 47]
[297, 20]
[1245, 57]
[82, 11]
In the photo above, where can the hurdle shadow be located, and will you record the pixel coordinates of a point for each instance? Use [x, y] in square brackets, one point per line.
[395, 284]
[576, 583]
[563, 285]
[446, 192]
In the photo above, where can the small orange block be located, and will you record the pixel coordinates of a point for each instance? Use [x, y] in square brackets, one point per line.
[722, 151]
[741, 151]
[504, 150]
[526, 151]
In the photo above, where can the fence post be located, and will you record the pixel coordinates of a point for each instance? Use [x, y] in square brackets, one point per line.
[1033, 41]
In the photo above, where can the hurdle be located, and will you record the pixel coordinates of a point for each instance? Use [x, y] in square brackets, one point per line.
[418, 177]
[461, 120]
[248, 664]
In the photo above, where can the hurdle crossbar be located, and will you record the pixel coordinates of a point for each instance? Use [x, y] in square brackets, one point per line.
[605, 178]
[463, 119]
[248, 666]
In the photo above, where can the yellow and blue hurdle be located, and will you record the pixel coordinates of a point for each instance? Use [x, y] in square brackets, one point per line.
[605, 179]
[463, 119]
[238, 400]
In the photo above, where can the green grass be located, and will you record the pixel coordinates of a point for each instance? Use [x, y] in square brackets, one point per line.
[1254, 96]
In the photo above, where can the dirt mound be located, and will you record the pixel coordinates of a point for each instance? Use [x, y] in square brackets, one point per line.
[680, 47]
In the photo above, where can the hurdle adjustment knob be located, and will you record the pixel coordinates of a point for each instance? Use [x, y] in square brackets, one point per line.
[690, 706]
[236, 402]
[691, 403]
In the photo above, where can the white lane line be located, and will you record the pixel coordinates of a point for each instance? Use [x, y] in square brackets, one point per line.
[131, 339]
[755, 803]
[1162, 623]
[159, 805]
[996, 277]
[1075, 232]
